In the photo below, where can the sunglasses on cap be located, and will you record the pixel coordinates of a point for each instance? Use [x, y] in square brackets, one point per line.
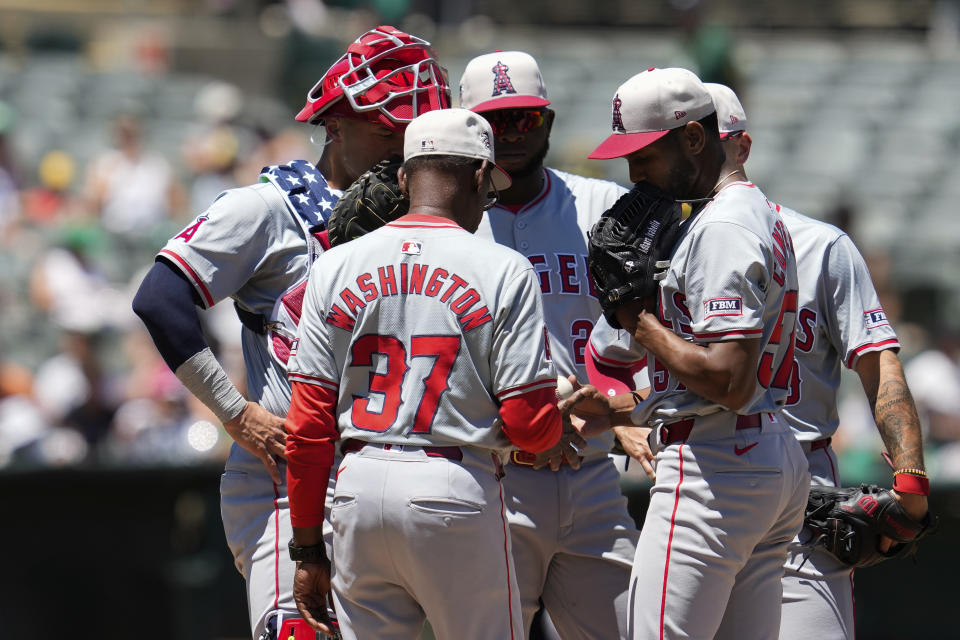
[732, 135]
[523, 120]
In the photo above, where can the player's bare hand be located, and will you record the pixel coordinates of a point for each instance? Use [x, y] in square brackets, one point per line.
[262, 434]
[568, 448]
[586, 400]
[635, 444]
[311, 592]
[915, 506]
[640, 319]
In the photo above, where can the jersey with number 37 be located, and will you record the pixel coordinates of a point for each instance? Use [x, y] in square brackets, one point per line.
[424, 329]
[733, 276]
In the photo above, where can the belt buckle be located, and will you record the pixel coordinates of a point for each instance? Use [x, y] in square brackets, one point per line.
[515, 458]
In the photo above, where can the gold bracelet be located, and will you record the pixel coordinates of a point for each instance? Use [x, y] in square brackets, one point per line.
[913, 472]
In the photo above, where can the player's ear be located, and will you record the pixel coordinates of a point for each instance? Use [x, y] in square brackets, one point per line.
[333, 130]
[478, 178]
[548, 116]
[743, 148]
[402, 182]
[694, 138]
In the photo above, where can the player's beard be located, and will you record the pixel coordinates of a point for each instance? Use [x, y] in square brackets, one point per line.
[536, 161]
[682, 177]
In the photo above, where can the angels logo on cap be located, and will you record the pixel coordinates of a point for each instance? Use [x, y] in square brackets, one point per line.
[521, 88]
[649, 105]
[617, 118]
[501, 81]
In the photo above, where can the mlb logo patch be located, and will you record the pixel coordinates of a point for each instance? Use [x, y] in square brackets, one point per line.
[411, 247]
[428, 145]
[722, 307]
[875, 318]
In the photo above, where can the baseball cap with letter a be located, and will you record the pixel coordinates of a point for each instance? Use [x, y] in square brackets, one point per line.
[453, 132]
[502, 80]
[649, 105]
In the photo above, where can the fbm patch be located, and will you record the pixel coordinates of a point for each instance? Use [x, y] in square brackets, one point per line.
[722, 307]
[410, 247]
[875, 318]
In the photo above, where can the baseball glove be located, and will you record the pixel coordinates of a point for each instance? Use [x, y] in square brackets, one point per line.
[630, 247]
[849, 523]
[373, 200]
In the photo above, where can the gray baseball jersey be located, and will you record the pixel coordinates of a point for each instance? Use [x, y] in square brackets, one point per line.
[617, 348]
[551, 231]
[709, 561]
[254, 244]
[732, 276]
[445, 334]
[567, 524]
[421, 328]
[839, 319]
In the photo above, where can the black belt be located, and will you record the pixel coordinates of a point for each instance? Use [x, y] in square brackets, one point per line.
[256, 322]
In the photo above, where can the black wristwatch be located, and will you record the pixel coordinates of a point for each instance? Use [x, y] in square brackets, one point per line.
[313, 553]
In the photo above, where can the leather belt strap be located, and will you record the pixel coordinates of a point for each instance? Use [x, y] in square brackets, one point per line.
[450, 453]
[253, 321]
[526, 459]
[680, 430]
[822, 443]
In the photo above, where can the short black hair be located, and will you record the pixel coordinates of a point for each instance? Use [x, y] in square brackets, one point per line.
[710, 124]
[446, 163]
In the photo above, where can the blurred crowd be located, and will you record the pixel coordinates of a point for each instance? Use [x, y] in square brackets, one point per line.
[80, 380]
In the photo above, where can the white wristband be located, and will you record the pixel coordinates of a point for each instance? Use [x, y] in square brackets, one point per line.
[203, 376]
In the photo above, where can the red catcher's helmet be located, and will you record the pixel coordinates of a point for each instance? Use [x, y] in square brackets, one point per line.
[386, 76]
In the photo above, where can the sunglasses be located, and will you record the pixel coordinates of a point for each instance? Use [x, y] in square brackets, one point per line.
[492, 197]
[733, 135]
[523, 120]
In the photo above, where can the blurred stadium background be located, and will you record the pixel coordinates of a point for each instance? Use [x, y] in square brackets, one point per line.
[120, 120]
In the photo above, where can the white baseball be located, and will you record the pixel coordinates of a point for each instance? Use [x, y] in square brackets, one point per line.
[564, 388]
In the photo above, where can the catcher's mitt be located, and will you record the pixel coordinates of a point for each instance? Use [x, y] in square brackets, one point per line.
[849, 523]
[630, 247]
[373, 200]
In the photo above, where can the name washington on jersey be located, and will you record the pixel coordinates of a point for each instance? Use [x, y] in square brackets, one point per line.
[410, 279]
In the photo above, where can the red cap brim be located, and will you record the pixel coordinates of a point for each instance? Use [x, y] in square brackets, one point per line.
[623, 144]
[510, 102]
[609, 379]
[305, 114]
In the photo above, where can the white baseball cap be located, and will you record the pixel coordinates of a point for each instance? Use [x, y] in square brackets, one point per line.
[502, 80]
[730, 114]
[453, 132]
[649, 105]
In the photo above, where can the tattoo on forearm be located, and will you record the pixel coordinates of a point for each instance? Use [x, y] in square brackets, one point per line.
[899, 424]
